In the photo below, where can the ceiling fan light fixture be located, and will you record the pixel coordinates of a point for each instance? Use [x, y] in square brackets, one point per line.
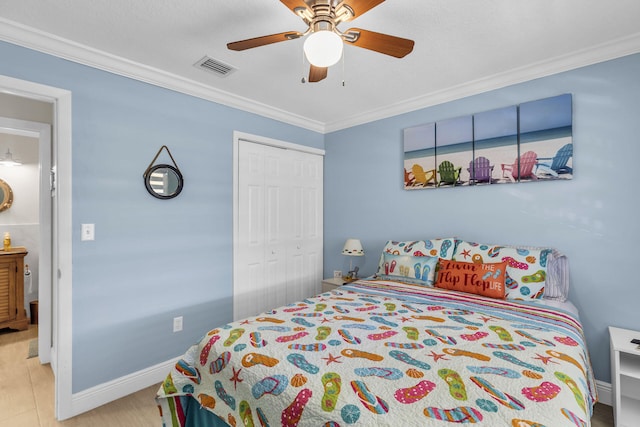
[323, 48]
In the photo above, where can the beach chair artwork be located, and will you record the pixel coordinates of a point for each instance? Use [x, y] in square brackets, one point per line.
[422, 177]
[521, 168]
[528, 142]
[480, 170]
[556, 165]
[449, 174]
[409, 178]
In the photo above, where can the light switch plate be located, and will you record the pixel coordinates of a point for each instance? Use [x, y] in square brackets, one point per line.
[88, 232]
[177, 324]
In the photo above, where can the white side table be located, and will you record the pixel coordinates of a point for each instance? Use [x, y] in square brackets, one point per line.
[330, 284]
[625, 377]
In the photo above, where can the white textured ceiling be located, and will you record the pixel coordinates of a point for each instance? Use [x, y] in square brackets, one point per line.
[461, 46]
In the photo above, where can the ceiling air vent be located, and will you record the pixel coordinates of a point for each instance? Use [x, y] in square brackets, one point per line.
[214, 66]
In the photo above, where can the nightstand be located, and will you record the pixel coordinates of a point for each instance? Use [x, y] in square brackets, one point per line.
[331, 284]
[625, 376]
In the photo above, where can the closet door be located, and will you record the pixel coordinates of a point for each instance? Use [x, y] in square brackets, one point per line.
[279, 240]
[305, 250]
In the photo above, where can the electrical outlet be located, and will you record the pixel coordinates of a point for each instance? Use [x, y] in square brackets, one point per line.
[177, 324]
[337, 274]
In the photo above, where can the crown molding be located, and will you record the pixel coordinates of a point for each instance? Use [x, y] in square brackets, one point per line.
[592, 55]
[31, 38]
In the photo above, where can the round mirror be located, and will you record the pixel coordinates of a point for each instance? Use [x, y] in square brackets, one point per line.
[6, 196]
[163, 181]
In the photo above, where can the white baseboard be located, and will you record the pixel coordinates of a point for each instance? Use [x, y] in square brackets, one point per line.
[605, 396]
[113, 390]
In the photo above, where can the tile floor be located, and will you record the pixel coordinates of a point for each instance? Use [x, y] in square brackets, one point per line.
[29, 401]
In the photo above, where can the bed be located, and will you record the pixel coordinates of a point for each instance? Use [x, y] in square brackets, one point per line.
[404, 347]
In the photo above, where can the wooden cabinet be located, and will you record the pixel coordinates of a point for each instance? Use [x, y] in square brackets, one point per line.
[625, 376]
[12, 312]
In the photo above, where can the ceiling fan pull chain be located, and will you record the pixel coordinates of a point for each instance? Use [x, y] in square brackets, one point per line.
[342, 68]
[304, 80]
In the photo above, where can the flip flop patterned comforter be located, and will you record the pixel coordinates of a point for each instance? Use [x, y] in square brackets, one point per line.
[388, 353]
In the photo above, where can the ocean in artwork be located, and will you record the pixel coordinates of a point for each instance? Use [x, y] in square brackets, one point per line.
[527, 142]
[500, 151]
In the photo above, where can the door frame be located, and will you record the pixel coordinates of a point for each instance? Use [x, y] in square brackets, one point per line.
[41, 132]
[61, 242]
[256, 139]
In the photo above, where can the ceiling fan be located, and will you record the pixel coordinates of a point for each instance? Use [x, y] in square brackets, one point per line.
[323, 47]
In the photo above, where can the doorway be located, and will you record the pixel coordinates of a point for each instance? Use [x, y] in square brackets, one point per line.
[32, 222]
[59, 242]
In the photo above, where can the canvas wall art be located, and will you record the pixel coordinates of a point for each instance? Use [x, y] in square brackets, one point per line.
[530, 142]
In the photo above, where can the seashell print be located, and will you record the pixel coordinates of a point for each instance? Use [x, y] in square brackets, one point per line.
[298, 380]
[414, 373]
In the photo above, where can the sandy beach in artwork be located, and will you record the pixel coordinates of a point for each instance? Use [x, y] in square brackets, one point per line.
[498, 156]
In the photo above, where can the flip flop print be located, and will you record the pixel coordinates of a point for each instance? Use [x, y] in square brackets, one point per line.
[323, 333]
[500, 397]
[413, 394]
[253, 359]
[204, 354]
[569, 382]
[332, 383]
[262, 418]
[461, 414]
[273, 385]
[245, 414]
[229, 400]
[370, 401]
[573, 418]
[412, 333]
[566, 358]
[289, 338]
[291, 414]
[234, 335]
[457, 390]
[502, 333]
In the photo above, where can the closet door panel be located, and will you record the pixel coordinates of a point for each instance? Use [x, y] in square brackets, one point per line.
[284, 240]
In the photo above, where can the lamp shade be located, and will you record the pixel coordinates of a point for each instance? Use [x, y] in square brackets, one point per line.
[353, 247]
[323, 48]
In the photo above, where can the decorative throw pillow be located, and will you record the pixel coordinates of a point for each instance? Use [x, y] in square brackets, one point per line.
[419, 270]
[442, 248]
[526, 268]
[475, 278]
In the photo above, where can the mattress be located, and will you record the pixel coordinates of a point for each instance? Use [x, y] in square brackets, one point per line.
[387, 353]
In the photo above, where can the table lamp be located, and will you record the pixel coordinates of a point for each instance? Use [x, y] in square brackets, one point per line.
[352, 247]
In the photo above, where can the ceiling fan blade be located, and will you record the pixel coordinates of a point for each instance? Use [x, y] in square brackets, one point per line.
[359, 7]
[317, 73]
[296, 4]
[378, 42]
[264, 40]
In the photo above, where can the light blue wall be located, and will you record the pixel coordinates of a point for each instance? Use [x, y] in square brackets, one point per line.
[593, 219]
[152, 259]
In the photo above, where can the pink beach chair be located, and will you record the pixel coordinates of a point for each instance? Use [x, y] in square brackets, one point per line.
[521, 168]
